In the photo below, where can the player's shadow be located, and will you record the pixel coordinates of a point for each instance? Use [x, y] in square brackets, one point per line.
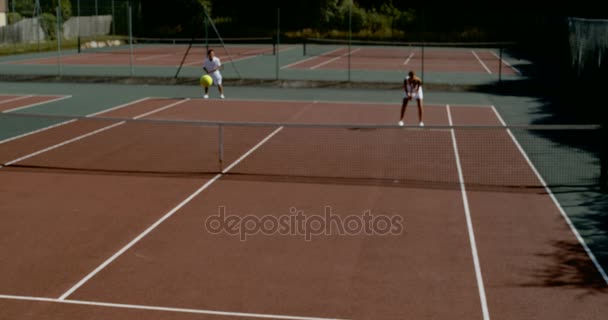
[567, 266]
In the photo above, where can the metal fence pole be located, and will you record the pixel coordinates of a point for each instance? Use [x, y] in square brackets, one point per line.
[130, 22]
[78, 18]
[350, 37]
[206, 32]
[278, 64]
[500, 65]
[220, 146]
[423, 42]
[36, 16]
[422, 72]
[113, 20]
[59, 36]
[96, 8]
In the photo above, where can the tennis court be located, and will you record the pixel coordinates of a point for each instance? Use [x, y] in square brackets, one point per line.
[264, 59]
[156, 52]
[105, 215]
[486, 58]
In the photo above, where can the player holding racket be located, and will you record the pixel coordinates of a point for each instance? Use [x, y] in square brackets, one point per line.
[212, 66]
[413, 90]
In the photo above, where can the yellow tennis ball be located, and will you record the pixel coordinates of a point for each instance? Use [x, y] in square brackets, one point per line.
[206, 81]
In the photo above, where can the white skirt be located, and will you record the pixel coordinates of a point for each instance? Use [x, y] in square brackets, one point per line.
[416, 95]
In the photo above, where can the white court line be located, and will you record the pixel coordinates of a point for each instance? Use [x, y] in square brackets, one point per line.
[86, 135]
[480, 61]
[311, 58]
[408, 59]
[261, 52]
[53, 147]
[506, 62]
[161, 309]
[334, 59]
[165, 217]
[70, 121]
[233, 60]
[160, 109]
[119, 107]
[559, 207]
[465, 202]
[37, 104]
[43, 61]
[155, 57]
[16, 99]
[195, 63]
[36, 131]
[238, 59]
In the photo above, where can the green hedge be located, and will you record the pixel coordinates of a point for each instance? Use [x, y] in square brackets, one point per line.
[48, 23]
[13, 17]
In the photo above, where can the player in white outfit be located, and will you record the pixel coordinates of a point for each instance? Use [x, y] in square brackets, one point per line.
[413, 90]
[212, 66]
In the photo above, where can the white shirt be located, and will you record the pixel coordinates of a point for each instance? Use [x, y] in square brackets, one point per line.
[410, 87]
[213, 64]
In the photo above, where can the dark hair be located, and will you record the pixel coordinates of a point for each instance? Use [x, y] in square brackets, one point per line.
[411, 74]
[209, 52]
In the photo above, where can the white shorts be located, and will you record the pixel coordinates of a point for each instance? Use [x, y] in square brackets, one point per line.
[217, 78]
[416, 96]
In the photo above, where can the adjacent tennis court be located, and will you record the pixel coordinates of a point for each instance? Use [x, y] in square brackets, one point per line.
[156, 52]
[105, 215]
[264, 58]
[439, 57]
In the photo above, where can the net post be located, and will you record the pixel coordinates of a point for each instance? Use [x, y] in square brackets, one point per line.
[221, 146]
[304, 47]
[78, 44]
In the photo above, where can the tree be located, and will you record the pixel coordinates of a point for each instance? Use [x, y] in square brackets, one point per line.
[24, 7]
[50, 7]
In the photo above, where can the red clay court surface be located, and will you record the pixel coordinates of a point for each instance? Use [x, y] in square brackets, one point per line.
[154, 56]
[12, 103]
[101, 245]
[436, 60]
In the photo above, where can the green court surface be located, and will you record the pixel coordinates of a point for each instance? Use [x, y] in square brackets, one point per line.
[265, 66]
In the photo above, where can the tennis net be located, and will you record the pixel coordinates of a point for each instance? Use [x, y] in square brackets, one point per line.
[487, 156]
[405, 50]
[236, 46]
